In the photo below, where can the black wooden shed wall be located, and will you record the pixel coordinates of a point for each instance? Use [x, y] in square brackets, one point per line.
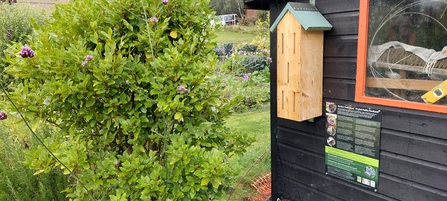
[413, 153]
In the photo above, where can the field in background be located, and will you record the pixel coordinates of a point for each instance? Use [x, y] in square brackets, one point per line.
[47, 5]
[235, 34]
[234, 37]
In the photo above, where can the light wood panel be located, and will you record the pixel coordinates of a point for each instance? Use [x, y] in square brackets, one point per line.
[408, 84]
[299, 70]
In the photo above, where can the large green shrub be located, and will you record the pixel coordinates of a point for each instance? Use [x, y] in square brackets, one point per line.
[126, 81]
[16, 26]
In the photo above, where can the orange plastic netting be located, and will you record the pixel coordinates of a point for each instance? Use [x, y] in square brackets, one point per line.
[263, 187]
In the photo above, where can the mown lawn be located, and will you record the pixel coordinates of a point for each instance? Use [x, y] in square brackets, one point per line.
[235, 34]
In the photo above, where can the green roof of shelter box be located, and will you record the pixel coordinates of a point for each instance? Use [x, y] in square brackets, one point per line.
[307, 15]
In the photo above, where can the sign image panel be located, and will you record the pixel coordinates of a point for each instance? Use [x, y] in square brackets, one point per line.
[352, 144]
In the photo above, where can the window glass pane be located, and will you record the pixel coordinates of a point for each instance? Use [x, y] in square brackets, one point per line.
[407, 53]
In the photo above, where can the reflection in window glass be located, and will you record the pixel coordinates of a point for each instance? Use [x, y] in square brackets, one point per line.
[407, 50]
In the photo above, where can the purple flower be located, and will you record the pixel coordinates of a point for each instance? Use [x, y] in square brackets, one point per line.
[181, 88]
[164, 2]
[88, 57]
[269, 60]
[246, 76]
[241, 52]
[3, 115]
[154, 19]
[84, 63]
[9, 34]
[26, 52]
[265, 52]
[227, 96]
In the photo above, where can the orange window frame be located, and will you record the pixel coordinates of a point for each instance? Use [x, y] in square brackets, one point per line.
[361, 72]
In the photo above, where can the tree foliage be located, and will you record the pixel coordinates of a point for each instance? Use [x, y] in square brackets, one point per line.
[228, 7]
[127, 84]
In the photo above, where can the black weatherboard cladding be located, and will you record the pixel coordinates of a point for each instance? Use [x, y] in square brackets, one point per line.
[413, 147]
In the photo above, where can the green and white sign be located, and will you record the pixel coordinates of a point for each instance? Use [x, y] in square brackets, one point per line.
[352, 144]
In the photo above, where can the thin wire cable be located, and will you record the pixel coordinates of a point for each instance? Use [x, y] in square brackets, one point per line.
[165, 140]
[41, 142]
[146, 20]
[163, 117]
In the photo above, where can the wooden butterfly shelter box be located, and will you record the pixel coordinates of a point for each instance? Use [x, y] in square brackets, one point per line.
[300, 61]
[358, 99]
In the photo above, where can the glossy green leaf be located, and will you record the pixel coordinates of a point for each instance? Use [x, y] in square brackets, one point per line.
[90, 102]
[178, 116]
[205, 181]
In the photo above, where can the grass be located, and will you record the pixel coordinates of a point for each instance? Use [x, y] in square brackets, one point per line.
[256, 161]
[235, 34]
[257, 125]
[17, 181]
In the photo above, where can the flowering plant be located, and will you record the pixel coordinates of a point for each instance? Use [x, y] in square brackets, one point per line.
[26, 52]
[131, 93]
[248, 59]
[16, 26]
[255, 61]
[3, 115]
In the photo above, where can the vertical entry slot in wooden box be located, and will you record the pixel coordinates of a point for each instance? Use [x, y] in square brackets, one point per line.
[300, 36]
